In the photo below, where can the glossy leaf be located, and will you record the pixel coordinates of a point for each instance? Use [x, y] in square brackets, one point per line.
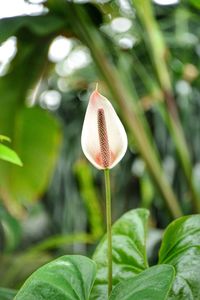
[153, 283]
[129, 251]
[66, 278]
[181, 248]
[9, 155]
[7, 294]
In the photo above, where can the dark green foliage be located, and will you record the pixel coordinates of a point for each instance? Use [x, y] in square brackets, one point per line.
[41, 26]
[72, 277]
[129, 251]
[154, 283]
[7, 294]
[181, 248]
[68, 277]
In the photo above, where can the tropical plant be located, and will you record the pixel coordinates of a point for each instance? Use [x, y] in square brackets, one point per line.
[150, 72]
[176, 276]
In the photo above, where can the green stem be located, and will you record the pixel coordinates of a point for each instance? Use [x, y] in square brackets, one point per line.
[116, 83]
[109, 228]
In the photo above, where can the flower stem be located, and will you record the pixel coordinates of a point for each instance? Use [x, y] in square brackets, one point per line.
[109, 228]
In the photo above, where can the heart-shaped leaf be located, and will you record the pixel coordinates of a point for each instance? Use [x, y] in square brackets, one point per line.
[152, 284]
[66, 278]
[129, 251]
[181, 248]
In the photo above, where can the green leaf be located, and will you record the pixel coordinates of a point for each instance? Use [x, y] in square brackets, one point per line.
[38, 25]
[37, 141]
[195, 3]
[129, 251]
[152, 284]
[66, 278]
[16, 121]
[60, 7]
[7, 294]
[8, 154]
[4, 138]
[181, 248]
[11, 229]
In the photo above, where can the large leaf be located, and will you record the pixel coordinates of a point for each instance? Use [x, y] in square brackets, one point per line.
[181, 248]
[66, 278]
[152, 284]
[16, 121]
[37, 141]
[129, 251]
[34, 133]
[7, 294]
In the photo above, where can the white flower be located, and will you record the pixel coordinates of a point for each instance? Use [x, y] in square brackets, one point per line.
[104, 140]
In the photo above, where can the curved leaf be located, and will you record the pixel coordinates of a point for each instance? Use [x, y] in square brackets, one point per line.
[66, 278]
[181, 248]
[9, 155]
[153, 283]
[129, 251]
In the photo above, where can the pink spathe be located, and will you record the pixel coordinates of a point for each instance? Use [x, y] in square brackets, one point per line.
[103, 140]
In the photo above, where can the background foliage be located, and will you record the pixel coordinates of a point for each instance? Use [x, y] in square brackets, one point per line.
[150, 73]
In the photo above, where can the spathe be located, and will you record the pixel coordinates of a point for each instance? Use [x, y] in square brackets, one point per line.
[103, 140]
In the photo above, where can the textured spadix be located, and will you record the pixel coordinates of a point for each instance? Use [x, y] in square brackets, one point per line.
[103, 139]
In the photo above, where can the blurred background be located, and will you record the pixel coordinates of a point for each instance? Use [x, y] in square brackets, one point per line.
[145, 55]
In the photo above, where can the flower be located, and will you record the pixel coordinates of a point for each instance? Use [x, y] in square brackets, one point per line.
[103, 140]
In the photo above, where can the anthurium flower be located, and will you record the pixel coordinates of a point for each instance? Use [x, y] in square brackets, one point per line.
[103, 139]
